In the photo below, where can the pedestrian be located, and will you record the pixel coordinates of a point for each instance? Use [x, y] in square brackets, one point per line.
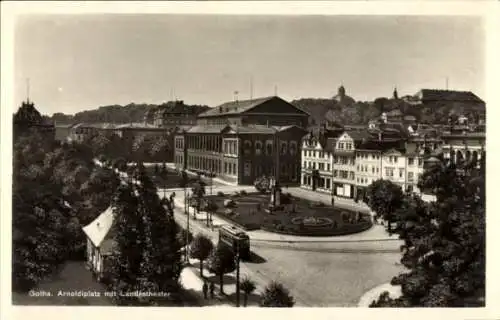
[212, 290]
[205, 290]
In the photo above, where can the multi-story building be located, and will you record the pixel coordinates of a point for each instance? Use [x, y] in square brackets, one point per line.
[463, 146]
[344, 162]
[173, 114]
[242, 140]
[317, 160]
[240, 154]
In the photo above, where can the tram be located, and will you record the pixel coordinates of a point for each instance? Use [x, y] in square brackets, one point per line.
[236, 239]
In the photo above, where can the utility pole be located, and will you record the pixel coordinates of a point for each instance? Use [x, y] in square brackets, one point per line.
[237, 260]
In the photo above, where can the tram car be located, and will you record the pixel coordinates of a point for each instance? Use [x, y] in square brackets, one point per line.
[236, 239]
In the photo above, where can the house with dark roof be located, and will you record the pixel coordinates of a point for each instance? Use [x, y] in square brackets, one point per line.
[28, 118]
[436, 97]
[272, 111]
[173, 114]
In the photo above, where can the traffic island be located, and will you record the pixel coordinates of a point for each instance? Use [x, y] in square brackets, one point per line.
[296, 216]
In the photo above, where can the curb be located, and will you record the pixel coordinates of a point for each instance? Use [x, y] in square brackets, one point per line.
[369, 296]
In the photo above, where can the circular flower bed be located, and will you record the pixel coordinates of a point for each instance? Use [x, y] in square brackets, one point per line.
[313, 221]
[318, 226]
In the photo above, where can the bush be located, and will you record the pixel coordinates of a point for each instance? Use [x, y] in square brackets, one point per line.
[235, 195]
[220, 193]
[243, 193]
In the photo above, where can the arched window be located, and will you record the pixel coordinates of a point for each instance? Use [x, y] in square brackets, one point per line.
[269, 147]
[247, 147]
[258, 147]
[283, 147]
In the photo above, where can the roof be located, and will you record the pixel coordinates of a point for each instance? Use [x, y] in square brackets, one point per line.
[98, 229]
[240, 106]
[378, 145]
[447, 95]
[236, 107]
[358, 135]
[138, 125]
[257, 129]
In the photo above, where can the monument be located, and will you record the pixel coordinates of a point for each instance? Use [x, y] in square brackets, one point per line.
[275, 201]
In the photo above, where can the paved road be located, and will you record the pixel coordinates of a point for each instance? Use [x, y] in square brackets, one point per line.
[317, 274]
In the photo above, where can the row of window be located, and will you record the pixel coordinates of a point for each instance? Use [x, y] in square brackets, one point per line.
[179, 143]
[323, 183]
[343, 174]
[230, 169]
[320, 154]
[345, 145]
[364, 168]
[230, 147]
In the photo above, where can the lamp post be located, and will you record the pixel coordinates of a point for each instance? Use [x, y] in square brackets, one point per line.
[237, 260]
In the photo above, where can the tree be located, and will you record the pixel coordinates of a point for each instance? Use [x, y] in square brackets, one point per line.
[444, 241]
[277, 296]
[201, 246]
[126, 263]
[198, 190]
[247, 286]
[221, 261]
[384, 197]
[161, 265]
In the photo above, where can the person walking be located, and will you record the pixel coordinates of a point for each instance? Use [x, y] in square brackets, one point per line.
[212, 290]
[205, 290]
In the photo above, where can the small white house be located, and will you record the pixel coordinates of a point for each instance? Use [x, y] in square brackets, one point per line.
[99, 242]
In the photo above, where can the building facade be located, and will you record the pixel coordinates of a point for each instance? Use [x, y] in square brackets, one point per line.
[240, 154]
[317, 160]
[173, 114]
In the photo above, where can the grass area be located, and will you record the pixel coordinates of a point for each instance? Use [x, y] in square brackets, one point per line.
[300, 217]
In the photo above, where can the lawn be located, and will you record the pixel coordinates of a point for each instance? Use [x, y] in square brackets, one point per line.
[300, 217]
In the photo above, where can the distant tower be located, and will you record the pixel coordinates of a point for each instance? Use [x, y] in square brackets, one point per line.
[395, 94]
[341, 92]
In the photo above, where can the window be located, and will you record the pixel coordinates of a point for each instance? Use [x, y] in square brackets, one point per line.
[305, 164]
[411, 161]
[420, 162]
[283, 148]
[389, 172]
[341, 145]
[225, 168]
[395, 159]
[234, 169]
[247, 147]
[351, 175]
[269, 147]
[328, 183]
[328, 166]
[293, 147]
[258, 147]
[373, 169]
[335, 173]
[410, 176]
[401, 173]
[357, 167]
[321, 166]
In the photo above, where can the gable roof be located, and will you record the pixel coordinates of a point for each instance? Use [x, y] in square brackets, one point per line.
[98, 229]
[240, 106]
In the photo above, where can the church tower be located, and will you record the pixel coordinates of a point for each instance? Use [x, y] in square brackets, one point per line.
[395, 94]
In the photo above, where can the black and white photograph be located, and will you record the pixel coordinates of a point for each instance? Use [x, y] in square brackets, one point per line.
[240, 160]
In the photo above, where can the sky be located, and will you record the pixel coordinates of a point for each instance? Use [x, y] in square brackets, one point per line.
[81, 62]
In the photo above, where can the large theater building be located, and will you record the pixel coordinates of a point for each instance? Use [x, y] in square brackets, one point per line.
[242, 140]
